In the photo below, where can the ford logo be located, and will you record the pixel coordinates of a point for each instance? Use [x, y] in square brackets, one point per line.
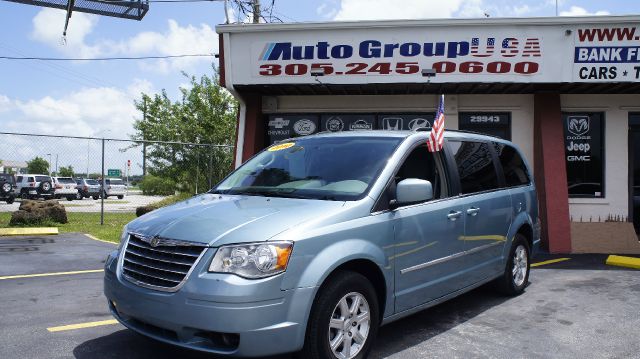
[304, 127]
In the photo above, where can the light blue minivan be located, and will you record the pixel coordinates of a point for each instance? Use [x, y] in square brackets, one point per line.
[315, 242]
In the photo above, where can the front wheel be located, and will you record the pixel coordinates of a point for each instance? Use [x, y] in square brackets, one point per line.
[120, 197]
[10, 200]
[344, 320]
[79, 196]
[516, 273]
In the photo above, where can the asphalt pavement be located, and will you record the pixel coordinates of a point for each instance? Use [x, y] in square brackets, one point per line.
[574, 308]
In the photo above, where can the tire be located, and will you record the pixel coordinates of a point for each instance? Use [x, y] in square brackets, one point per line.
[6, 187]
[336, 300]
[45, 186]
[516, 273]
[79, 196]
[71, 198]
[120, 197]
[95, 198]
[10, 200]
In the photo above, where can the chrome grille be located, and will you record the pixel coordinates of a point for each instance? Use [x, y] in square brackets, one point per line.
[159, 263]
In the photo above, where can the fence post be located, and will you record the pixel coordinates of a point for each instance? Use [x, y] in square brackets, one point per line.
[102, 188]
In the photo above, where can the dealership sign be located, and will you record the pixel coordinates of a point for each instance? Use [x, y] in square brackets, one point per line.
[474, 53]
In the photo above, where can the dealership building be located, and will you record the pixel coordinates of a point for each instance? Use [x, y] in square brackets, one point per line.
[565, 89]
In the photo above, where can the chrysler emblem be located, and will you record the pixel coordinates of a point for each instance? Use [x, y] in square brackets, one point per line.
[154, 241]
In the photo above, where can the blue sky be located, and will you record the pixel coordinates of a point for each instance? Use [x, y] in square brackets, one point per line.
[86, 98]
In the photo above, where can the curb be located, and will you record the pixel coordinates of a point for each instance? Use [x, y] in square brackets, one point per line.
[620, 261]
[28, 231]
[97, 239]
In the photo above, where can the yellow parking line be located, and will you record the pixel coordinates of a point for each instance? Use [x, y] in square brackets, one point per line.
[97, 239]
[29, 231]
[20, 276]
[551, 261]
[82, 325]
[620, 261]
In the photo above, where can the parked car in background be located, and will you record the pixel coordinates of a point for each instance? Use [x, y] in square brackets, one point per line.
[114, 187]
[315, 242]
[34, 186]
[87, 188]
[65, 187]
[7, 188]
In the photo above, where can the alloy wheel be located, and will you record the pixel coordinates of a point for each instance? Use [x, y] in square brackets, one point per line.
[349, 326]
[520, 265]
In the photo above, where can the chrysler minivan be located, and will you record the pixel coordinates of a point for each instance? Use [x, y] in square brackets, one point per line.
[315, 242]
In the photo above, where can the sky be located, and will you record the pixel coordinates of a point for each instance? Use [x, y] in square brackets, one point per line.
[90, 98]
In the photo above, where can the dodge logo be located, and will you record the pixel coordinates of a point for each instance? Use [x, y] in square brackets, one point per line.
[578, 125]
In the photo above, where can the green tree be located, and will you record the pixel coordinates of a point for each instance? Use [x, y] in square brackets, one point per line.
[206, 114]
[38, 165]
[66, 171]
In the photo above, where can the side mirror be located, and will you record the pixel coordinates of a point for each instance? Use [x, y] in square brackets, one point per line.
[412, 190]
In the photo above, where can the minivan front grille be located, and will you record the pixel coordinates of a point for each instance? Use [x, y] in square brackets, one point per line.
[159, 263]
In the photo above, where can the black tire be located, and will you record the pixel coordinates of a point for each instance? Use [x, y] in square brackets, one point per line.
[95, 198]
[71, 198]
[10, 200]
[509, 283]
[339, 286]
[120, 197]
[79, 196]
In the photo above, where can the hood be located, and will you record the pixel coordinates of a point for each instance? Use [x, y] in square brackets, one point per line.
[222, 219]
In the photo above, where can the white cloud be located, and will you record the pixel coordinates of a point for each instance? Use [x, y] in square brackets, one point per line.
[48, 25]
[175, 40]
[579, 11]
[392, 9]
[81, 113]
[5, 103]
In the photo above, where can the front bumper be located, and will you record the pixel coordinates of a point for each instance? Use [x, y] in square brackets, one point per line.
[265, 319]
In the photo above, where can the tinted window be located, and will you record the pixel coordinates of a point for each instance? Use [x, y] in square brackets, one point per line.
[515, 172]
[475, 166]
[92, 182]
[19, 179]
[41, 178]
[30, 179]
[65, 180]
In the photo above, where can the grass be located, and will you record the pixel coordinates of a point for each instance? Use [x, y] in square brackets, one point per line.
[85, 223]
[171, 200]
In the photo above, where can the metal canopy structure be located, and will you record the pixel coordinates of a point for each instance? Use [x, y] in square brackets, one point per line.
[124, 9]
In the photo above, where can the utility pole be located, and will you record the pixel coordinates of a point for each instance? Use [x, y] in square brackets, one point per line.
[256, 11]
[144, 143]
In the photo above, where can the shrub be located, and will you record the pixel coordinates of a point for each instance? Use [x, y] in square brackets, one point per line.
[157, 186]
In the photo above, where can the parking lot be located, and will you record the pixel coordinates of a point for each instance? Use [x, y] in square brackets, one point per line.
[578, 308]
[111, 204]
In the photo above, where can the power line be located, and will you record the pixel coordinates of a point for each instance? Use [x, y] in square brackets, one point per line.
[104, 58]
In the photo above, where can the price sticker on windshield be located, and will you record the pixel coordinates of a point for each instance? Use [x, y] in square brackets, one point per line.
[280, 147]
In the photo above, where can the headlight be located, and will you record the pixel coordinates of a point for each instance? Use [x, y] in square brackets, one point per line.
[253, 260]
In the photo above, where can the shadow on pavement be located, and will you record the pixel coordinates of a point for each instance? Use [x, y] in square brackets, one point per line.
[392, 338]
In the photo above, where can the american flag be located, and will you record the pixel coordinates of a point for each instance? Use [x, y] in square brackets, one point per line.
[436, 137]
[475, 47]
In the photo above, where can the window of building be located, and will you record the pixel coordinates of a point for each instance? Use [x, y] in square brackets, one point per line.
[584, 154]
[475, 166]
[490, 123]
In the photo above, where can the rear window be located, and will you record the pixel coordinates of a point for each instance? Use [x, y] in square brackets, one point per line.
[19, 179]
[475, 166]
[515, 172]
[115, 181]
[66, 180]
[30, 179]
[40, 179]
[6, 178]
[92, 182]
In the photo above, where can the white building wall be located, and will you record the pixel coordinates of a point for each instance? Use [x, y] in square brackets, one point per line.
[616, 110]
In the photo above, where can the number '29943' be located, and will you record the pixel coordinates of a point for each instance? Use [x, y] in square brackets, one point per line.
[401, 68]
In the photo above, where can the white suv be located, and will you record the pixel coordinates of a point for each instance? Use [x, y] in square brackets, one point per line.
[114, 187]
[65, 187]
[31, 186]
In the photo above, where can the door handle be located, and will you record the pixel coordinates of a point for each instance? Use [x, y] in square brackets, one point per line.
[453, 215]
[473, 211]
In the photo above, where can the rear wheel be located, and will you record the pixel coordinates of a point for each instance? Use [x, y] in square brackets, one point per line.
[10, 200]
[6, 187]
[120, 197]
[516, 273]
[79, 196]
[95, 198]
[344, 320]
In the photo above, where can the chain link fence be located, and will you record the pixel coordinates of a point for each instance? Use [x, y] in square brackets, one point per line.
[106, 179]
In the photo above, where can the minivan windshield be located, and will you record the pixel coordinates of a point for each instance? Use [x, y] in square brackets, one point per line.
[325, 168]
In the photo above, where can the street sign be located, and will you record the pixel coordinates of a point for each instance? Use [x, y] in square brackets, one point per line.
[113, 173]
